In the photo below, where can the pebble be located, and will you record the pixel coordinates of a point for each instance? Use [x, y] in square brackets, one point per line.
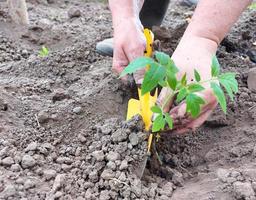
[251, 80]
[77, 110]
[43, 117]
[93, 176]
[134, 139]
[28, 161]
[74, 12]
[59, 95]
[111, 165]
[243, 190]
[9, 191]
[124, 165]
[15, 168]
[49, 174]
[113, 156]
[58, 182]
[98, 155]
[29, 184]
[222, 174]
[8, 161]
[31, 147]
[119, 136]
[107, 174]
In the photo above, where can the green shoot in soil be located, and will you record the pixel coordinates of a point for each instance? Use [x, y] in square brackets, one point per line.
[162, 71]
[44, 51]
[252, 6]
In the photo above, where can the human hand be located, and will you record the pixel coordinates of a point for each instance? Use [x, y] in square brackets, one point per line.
[192, 53]
[129, 44]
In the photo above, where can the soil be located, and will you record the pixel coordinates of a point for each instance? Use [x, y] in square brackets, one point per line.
[63, 133]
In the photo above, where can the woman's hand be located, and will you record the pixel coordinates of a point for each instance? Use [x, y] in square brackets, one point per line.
[192, 53]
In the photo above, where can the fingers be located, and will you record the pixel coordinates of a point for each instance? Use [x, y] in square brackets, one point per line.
[183, 122]
[120, 61]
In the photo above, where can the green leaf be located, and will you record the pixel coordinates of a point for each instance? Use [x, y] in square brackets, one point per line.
[171, 67]
[184, 80]
[252, 6]
[158, 123]
[156, 109]
[172, 80]
[137, 64]
[44, 51]
[218, 92]
[155, 74]
[169, 120]
[197, 75]
[162, 83]
[162, 58]
[194, 102]
[229, 82]
[182, 94]
[215, 67]
[195, 87]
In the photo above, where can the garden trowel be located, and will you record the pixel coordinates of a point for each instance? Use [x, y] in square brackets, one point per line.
[142, 106]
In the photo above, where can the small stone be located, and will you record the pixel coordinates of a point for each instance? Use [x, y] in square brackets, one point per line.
[177, 178]
[98, 155]
[8, 161]
[104, 195]
[134, 139]
[15, 168]
[58, 195]
[93, 176]
[252, 55]
[113, 156]
[81, 138]
[167, 189]
[251, 80]
[49, 174]
[58, 182]
[106, 129]
[59, 95]
[243, 190]
[77, 110]
[28, 161]
[107, 174]
[29, 184]
[119, 135]
[9, 191]
[222, 174]
[31, 147]
[124, 165]
[74, 12]
[111, 165]
[43, 117]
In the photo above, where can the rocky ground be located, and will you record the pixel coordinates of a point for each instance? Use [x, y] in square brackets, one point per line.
[62, 128]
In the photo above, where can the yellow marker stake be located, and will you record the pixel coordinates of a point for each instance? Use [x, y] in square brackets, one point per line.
[145, 102]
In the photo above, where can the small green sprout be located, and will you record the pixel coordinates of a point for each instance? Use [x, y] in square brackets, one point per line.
[252, 6]
[44, 51]
[162, 71]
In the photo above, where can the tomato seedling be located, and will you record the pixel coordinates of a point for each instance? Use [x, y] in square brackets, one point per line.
[44, 51]
[162, 71]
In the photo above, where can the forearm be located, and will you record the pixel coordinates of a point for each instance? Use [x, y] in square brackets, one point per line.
[123, 9]
[213, 18]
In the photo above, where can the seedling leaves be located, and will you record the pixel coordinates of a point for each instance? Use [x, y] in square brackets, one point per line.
[215, 66]
[158, 124]
[197, 75]
[156, 109]
[155, 74]
[169, 120]
[218, 92]
[194, 102]
[137, 64]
